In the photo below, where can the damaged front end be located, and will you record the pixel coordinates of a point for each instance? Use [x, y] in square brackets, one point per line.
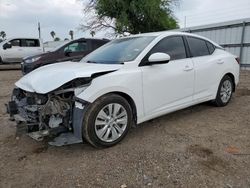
[56, 114]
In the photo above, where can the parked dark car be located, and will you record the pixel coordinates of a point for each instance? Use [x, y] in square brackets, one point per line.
[72, 51]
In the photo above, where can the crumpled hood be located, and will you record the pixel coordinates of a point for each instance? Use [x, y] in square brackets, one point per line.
[51, 77]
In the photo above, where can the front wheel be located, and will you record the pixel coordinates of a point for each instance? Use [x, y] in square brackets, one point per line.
[225, 91]
[107, 121]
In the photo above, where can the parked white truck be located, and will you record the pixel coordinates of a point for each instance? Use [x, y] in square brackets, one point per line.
[13, 50]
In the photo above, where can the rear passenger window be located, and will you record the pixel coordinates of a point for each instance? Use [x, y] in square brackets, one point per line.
[211, 47]
[30, 43]
[198, 47]
[173, 46]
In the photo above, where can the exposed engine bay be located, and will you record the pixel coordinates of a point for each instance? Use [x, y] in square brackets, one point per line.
[46, 114]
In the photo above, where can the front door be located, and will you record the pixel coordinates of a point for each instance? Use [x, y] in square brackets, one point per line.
[75, 51]
[169, 85]
[15, 53]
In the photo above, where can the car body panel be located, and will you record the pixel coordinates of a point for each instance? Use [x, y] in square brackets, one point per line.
[167, 85]
[209, 70]
[118, 82]
[50, 77]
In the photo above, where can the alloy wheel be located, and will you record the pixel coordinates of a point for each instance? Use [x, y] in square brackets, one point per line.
[111, 122]
[226, 91]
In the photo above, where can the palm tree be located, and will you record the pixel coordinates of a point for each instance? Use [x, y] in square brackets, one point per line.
[53, 34]
[71, 33]
[57, 39]
[2, 34]
[92, 33]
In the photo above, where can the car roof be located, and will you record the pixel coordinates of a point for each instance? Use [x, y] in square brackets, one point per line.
[170, 33]
[166, 33]
[96, 39]
[11, 38]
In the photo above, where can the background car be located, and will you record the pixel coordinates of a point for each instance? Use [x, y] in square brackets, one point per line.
[13, 50]
[73, 50]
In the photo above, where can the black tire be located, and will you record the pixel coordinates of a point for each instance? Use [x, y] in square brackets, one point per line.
[1, 61]
[90, 116]
[218, 101]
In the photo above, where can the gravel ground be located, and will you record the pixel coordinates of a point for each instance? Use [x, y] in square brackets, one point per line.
[202, 146]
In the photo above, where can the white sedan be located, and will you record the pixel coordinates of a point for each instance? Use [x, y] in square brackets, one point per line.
[127, 81]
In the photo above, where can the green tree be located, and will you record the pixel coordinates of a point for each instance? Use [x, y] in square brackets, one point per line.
[2, 34]
[71, 33]
[53, 34]
[92, 33]
[131, 16]
[57, 39]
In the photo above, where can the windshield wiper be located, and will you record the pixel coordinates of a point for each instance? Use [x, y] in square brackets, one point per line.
[106, 62]
[91, 62]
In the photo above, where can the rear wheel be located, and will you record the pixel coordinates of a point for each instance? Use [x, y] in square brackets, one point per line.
[1, 61]
[225, 91]
[107, 121]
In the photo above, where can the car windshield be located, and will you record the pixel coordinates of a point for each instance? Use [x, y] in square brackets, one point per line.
[119, 50]
[60, 45]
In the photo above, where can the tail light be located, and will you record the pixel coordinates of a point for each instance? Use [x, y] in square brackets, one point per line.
[238, 60]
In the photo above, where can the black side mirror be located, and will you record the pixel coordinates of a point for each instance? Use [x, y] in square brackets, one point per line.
[7, 45]
[67, 52]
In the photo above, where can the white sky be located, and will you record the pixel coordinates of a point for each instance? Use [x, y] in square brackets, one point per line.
[20, 17]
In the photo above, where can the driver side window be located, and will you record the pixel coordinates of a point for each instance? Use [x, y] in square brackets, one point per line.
[76, 47]
[173, 46]
[15, 42]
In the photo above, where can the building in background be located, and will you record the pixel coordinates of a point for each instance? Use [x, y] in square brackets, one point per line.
[234, 36]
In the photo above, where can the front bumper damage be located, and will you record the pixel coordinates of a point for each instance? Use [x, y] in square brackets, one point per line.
[58, 117]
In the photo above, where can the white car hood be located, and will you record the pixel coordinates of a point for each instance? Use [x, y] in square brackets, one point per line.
[51, 77]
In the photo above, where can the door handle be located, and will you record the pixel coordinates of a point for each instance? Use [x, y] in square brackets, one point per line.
[220, 61]
[188, 68]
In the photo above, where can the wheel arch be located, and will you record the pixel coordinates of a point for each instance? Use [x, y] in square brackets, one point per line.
[130, 101]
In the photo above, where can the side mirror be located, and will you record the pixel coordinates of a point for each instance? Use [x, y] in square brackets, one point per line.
[67, 52]
[7, 45]
[158, 58]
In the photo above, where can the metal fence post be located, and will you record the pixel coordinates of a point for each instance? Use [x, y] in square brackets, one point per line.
[242, 40]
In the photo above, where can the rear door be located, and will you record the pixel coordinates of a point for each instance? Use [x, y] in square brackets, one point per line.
[31, 47]
[205, 65]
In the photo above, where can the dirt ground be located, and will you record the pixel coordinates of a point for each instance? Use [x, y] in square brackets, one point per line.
[202, 146]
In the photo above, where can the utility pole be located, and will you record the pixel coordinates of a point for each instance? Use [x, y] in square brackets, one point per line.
[39, 30]
[185, 22]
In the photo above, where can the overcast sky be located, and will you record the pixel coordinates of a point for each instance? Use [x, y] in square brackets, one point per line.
[20, 17]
